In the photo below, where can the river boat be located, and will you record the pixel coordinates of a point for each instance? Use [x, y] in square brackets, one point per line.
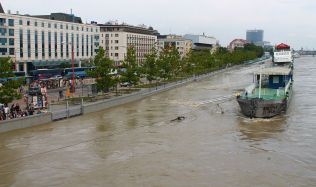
[282, 54]
[269, 95]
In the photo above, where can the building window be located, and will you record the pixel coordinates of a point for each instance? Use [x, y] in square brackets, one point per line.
[2, 21]
[36, 43]
[49, 44]
[56, 44]
[11, 22]
[28, 23]
[72, 27]
[66, 27]
[20, 22]
[55, 26]
[29, 43]
[87, 45]
[21, 43]
[3, 31]
[11, 51]
[3, 51]
[116, 35]
[61, 26]
[116, 41]
[82, 45]
[35, 23]
[49, 25]
[77, 41]
[43, 44]
[3, 41]
[11, 41]
[11, 32]
[91, 40]
[116, 54]
[61, 44]
[67, 44]
[116, 48]
[43, 24]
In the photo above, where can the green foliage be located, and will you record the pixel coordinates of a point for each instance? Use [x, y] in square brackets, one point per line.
[8, 90]
[132, 70]
[103, 67]
[150, 68]
[65, 65]
[169, 63]
[252, 47]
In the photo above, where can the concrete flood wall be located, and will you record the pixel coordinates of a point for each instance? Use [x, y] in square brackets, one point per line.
[25, 122]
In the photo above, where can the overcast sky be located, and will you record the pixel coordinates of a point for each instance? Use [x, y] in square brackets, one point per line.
[289, 21]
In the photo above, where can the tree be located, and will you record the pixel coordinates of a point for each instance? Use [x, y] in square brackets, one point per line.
[150, 65]
[169, 62]
[8, 89]
[132, 71]
[103, 69]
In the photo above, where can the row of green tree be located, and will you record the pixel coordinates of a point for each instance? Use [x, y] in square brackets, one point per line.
[167, 64]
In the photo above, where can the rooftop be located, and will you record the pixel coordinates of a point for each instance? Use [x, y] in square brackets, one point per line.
[274, 71]
[1, 9]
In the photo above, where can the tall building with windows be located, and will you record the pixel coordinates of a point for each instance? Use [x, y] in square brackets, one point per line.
[35, 42]
[254, 36]
[117, 38]
[184, 46]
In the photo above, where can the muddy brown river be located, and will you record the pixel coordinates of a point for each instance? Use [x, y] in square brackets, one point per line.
[137, 144]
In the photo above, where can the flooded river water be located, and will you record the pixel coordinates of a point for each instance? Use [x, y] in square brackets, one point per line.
[137, 144]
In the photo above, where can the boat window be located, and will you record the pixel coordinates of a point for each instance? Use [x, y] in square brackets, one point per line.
[276, 80]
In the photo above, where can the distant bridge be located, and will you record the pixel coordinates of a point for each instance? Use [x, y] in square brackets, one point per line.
[307, 52]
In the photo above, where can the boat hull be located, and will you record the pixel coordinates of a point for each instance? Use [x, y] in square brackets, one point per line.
[259, 108]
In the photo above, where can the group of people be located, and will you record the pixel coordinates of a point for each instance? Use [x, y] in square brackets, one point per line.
[15, 111]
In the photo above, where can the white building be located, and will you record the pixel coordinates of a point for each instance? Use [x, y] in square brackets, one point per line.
[201, 41]
[183, 45]
[237, 43]
[46, 41]
[116, 38]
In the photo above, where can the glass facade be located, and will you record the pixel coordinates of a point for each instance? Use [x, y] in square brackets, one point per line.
[21, 42]
[87, 44]
[61, 44]
[43, 44]
[29, 43]
[49, 44]
[82, 46]
[36, 43]
[77, 42]
[67, 45]
[55, 44]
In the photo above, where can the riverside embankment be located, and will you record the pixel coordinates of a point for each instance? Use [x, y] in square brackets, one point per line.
[67, 111]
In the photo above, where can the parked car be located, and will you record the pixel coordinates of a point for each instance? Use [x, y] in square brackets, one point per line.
[125, 84]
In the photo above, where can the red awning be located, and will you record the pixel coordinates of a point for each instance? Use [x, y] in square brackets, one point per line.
[282, 46]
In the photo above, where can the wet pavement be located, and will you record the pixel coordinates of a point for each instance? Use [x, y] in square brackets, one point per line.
[138, 144]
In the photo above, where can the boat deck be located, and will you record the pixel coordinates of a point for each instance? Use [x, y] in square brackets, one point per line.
[267, 94]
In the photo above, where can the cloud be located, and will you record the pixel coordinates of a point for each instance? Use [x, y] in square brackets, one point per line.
[224, 19]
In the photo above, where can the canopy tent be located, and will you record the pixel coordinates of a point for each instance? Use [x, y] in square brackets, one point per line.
[282, 46]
